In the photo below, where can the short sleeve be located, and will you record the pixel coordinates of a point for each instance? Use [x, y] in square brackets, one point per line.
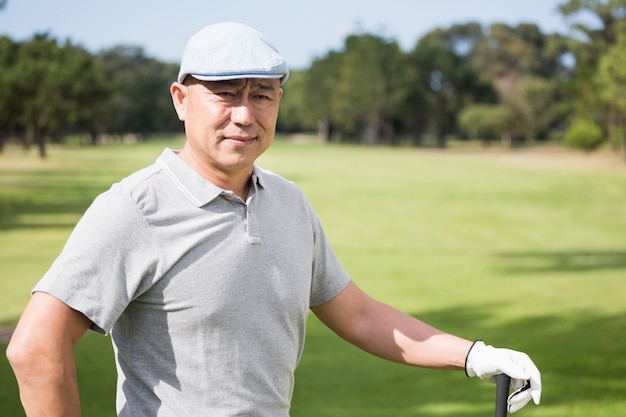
[329, 275]
[109, 259]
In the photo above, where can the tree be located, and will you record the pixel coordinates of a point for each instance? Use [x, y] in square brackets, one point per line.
[524, 65]
[87, 91]
[319, 86]
[355, 94]
[541, 106]
[140, 101]
[295, 114]
[461, 39]
[56, 87]
[445, 83]
[38, 71]
[371, 88]
[607, 13]
[505, 51]
[611, 80]
[9, 100]
[592, 43]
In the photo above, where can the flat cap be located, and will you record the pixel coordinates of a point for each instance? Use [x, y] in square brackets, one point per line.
[229, 50]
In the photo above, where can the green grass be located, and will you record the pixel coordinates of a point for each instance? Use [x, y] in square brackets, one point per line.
[525, 249]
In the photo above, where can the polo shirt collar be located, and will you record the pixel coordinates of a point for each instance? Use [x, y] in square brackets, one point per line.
[198, 189]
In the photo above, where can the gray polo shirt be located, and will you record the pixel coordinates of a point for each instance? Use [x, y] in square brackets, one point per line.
[206, 296]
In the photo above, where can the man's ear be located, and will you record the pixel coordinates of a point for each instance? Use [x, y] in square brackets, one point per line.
[179, 98]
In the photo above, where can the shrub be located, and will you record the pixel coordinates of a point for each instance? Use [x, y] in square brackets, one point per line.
[585, 135]
[485, 121]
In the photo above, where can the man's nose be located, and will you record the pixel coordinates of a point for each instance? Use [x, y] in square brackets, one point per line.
[242, 112]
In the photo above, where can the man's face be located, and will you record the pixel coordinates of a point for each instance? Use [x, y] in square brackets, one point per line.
[228, 124]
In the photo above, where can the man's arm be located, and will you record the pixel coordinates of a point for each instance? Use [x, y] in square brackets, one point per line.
[384, 331]
[40, 353]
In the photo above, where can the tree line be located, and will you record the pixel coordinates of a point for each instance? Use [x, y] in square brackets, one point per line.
[513, 84]
[510, 83]
[49, 89]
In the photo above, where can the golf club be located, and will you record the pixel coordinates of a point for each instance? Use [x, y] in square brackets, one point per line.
[503, 382]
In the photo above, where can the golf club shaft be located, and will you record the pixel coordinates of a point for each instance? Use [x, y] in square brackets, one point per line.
[503, 382]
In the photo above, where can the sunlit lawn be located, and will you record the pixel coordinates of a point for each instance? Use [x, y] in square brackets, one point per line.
[521, 248]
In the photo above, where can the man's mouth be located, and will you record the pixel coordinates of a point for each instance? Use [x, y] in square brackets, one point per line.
[240, 140]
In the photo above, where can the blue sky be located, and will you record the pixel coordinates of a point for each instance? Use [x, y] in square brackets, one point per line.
[300, 30]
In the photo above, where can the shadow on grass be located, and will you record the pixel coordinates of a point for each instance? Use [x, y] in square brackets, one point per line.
[581, 358]
[39, 204]
[574, 261]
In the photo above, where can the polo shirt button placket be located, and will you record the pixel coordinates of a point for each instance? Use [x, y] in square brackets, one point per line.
[252, 226]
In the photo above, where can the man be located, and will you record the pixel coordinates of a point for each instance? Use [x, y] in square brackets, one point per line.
[203, 268]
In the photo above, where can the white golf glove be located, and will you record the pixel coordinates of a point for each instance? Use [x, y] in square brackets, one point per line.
[486, 362]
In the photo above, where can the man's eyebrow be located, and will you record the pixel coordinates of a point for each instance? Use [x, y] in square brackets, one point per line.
[226, 83]
[263, 85]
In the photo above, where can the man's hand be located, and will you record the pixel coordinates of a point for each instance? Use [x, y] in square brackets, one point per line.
[486, 362]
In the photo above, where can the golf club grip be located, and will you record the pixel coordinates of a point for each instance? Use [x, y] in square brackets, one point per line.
[503, 382]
